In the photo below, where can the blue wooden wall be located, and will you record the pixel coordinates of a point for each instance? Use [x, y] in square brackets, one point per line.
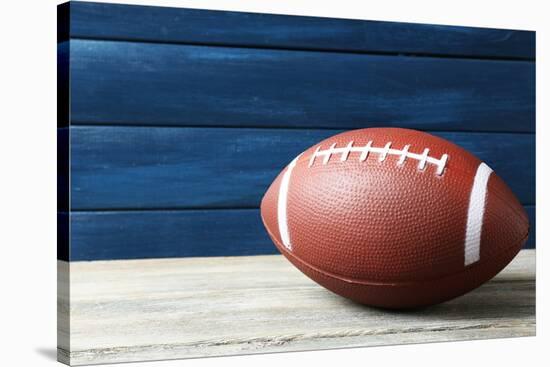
[177, 120]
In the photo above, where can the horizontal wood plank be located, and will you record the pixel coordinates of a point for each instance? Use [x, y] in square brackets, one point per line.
[64, 21]
[159, 234]
[163, 24]
[177, 233]
[63, 77]
[143, 168]
[133, 83]
[123, 311]
[63, 169]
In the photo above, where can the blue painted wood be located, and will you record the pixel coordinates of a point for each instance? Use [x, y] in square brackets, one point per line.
[159, 84]
[63, 183]
[156, 234]
[64, 21]
[163, 24]
[121, 167]
[63, 85]
[130, 235]
[230, 70]
[63, 238]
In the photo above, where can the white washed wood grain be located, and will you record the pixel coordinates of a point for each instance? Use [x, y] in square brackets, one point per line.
[133, 310]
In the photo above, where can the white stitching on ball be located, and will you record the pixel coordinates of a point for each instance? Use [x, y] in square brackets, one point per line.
[403, 154]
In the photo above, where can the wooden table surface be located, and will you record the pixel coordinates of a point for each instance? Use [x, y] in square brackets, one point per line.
[134, 310]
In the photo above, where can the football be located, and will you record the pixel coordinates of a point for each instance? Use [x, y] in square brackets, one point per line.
[394, 218]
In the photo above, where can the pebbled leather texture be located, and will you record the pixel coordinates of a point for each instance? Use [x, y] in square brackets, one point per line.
[389, 234]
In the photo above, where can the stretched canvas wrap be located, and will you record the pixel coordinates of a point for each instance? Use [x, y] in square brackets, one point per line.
[174, 123]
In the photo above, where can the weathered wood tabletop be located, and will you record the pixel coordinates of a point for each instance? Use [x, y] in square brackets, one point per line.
[135, 310]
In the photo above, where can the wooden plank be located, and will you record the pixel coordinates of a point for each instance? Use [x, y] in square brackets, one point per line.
[166, 84]
[123, 311]
[63, 308]
[64, 21]
[136, 168]
[173, 233]
[178, 233]
[63, 181]
[64, 245]
[63, 84]
[163, 24]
